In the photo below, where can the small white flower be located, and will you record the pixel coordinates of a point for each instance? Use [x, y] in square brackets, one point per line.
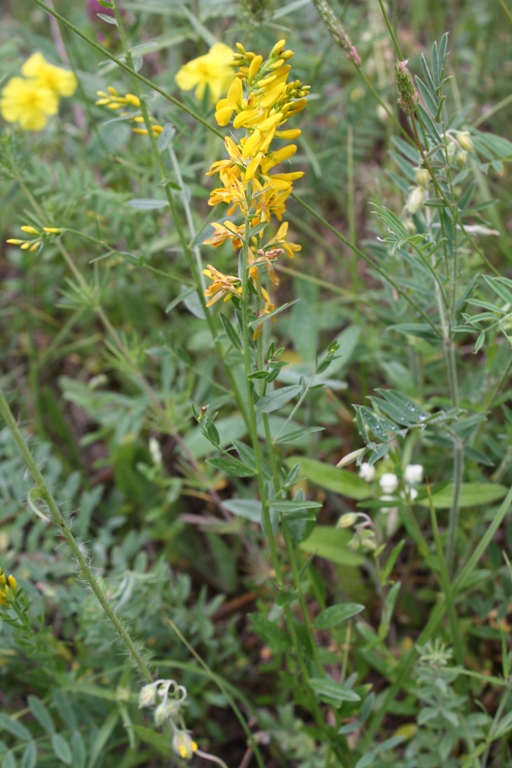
[183, 744]
[388, 482]
[367, 471]
[413, 473]
[154, 449]
[410, 493]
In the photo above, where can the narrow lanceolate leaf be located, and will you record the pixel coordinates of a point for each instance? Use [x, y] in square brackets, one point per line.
[232, 467]
[302, 509]
[337, 614]
[277, 399]
[231, 332]
[331, 690]
[147, 204]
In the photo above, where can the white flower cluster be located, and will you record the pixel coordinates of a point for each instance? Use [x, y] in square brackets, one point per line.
[168, 698]
[413, 474]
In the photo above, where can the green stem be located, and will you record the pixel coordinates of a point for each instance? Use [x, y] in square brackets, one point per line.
[391, 32]
[447, 588]
[61, 524]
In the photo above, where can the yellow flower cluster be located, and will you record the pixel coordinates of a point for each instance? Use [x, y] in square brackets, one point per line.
[31, 99]
[34, 243]
[112, 100]
[8, 586]
[260, 100]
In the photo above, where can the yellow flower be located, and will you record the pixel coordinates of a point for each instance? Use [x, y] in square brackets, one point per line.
[8, 587]
[183, 744]
[223, 285]
[27, 103]
[61, 81]
[226, 231]
[213, 70]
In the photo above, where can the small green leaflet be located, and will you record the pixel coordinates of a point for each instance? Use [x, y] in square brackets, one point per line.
[337, 614]
[331, 690]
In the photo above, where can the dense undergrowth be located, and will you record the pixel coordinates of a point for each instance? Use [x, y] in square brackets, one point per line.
[255, 459]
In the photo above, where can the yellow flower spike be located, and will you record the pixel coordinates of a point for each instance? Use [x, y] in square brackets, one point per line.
[13, 583]
[112, 90]
[13, 241]
[277, 64]
[25, 246]
[254, 67]
[35, 246]
[140, 131]
[29, 230]
[52, 230]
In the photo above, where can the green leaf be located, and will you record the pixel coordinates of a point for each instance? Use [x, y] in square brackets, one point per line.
[498, 287]
[331, 690]
[232, 467]
[472, 495]
[29, 758]
[296, 509]
[304, 330]
[62, 749]
[79, 750]
[332, 544]
[337, 480]
[149, 736]
[108, 19]
[166, 137]
[9, 760]
[101, 738]
[290, 437]
[430, 100]
[147, 204]
[337, 614]
[41, 713]
[14, 727]
[250, 509]
[273, 635]
[277, 399]
[231, 332]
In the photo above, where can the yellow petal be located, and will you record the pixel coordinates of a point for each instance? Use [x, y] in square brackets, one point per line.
[251, 144]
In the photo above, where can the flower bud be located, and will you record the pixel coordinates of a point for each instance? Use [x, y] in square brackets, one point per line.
[147, 695]
[423, 176]
[416, 199]
[464, 139]
[347, 521]
[461, 158]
